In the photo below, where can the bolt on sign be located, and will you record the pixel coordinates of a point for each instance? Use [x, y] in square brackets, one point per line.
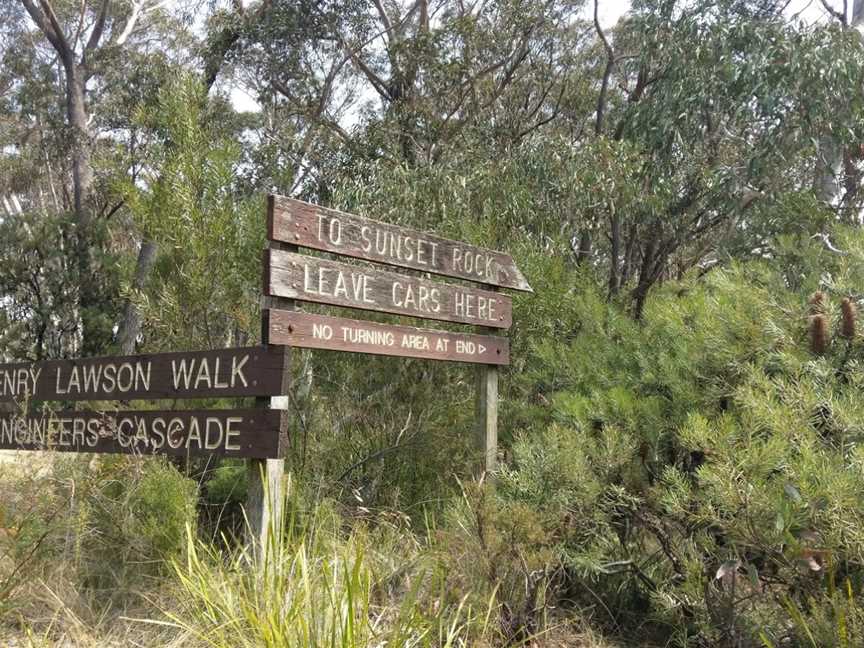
[251, 371]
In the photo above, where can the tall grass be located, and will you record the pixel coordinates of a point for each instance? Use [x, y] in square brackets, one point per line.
[317, 586]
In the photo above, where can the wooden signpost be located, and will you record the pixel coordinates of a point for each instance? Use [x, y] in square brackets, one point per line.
[321, 280]
[263, 372]
[360, 336]
[324, 281]
[252, 371]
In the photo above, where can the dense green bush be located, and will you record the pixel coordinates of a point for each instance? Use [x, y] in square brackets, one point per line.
[126, 517]
[700, 470]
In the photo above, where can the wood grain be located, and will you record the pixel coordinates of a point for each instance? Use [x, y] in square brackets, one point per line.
[324, 281]
[357, 336]
[229, 433]
[301, 223]
[250, 371]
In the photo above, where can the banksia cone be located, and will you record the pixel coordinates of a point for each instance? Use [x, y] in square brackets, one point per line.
[818, 334]
[817, 303]
[850, 314]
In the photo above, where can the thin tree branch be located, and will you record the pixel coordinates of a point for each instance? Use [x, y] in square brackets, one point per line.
[137, 7]
[98, 28]
[607, 72]
[66, 52]
[57, 40]
[833, 12]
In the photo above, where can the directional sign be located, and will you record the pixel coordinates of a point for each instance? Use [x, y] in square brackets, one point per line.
[329, 282]
[300, 223]
[232, 433]
[340, 334]
[252, 371]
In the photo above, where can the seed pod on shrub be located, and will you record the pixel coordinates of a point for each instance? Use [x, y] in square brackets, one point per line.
[817, 303]
[818, 334]
[849, 317]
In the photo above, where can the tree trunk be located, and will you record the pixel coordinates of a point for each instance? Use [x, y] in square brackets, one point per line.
[615, 253]
[646, 275]
[130, 325]
[76, 114]
[829, 161]
[584, 249]
[95, 334]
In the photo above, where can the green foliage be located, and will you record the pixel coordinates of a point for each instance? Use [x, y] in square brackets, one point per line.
[37, 316]
[702, 467]
[126, 518]
[314, 587]
[680, 427]
[78, 537]
[203, 292]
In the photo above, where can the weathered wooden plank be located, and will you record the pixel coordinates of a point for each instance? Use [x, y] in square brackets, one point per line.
[249, 371]
[487, 416]
[230, 433]
[265, 492]
[358, 336]
[320, 228]
[330, 282]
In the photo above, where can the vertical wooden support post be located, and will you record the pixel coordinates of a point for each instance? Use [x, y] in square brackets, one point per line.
[266, 493]
[487, 412]
[487, 416]
[266, 490]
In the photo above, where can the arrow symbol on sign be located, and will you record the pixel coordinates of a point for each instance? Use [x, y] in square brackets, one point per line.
[481, 348]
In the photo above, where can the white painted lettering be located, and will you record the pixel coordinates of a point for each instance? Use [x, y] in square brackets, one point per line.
[237, 370]
[230, 432]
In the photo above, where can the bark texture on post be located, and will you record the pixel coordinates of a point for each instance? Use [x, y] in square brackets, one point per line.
[266, 493]
[487, 416]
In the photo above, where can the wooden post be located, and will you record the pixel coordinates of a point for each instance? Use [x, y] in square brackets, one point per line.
[487, 416]
[266, 493]
[487, 413]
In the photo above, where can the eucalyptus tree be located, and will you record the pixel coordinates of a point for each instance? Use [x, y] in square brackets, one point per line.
[721, 103]
[360, 80]
[74, 74]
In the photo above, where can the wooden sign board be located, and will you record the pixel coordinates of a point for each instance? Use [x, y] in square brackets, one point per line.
[314, 279]
[341, 334]
[251, 371]
[251, 433]
[300, 223]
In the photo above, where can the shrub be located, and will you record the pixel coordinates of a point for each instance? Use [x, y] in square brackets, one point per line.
[315, 586]
[699, 472]
[127, 517]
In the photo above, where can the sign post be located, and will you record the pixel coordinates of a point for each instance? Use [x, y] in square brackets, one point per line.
[487, 417]
[321, 280]
[266, 477]
[221, 373]
[260, 435]
[265, 496]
